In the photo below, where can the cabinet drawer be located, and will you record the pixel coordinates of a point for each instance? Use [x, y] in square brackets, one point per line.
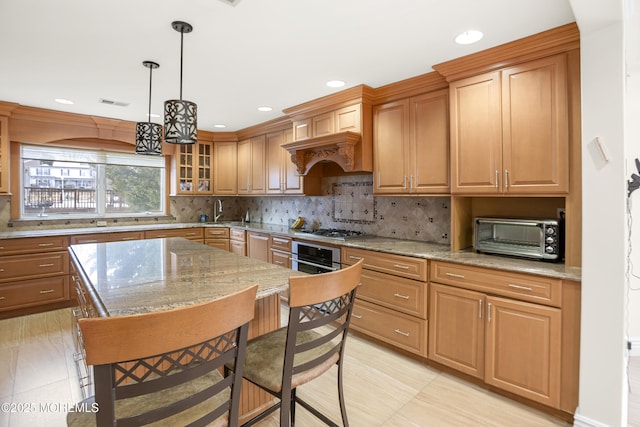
[220, 244]
[187, 233]
[34, 292]
[33, 266]
[106, 237]
[281, 243]
[542, 290]
[399, 329]
[283, 259]
[399, 265]
[236, 234]
[216, 233]
[238, 247]
[398, 293]
[32, 245]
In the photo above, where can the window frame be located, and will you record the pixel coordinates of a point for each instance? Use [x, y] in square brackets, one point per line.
[100, 159]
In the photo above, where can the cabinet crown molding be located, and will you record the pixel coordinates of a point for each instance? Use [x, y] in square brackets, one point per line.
[547, 43]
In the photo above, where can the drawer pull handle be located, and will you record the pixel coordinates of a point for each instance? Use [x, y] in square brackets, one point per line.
[46, 265]
[1, 298]
[524, 288]
[357, 316]
[355, 257]
[47, 291]
[397, 295]
[129, 238]
[480, 309]
[403, 267]
[459, 276]
[1, 270]
[42, 244]
[278, 262]
[398, 331]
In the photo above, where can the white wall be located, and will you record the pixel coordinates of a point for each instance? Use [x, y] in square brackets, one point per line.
[632, 148]
[633, 152]
[603, 393]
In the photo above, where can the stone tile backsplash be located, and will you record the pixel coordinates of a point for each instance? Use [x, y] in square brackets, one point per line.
[347, 202]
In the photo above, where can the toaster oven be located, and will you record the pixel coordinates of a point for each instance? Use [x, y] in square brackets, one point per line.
[530, 238]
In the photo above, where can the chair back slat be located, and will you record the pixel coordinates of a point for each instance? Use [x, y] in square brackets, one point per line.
[320, 326]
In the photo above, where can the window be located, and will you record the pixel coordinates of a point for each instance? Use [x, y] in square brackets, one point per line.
[64, 182]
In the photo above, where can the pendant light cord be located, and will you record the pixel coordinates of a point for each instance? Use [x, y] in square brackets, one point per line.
[181, 49]
[150, 77]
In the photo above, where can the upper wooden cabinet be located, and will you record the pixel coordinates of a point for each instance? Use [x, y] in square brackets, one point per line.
[225, 168]
[4, 154]
[194, 168]
[282, 176]
[411, 142]
[509, 130]
[334, 128]
[251, 165]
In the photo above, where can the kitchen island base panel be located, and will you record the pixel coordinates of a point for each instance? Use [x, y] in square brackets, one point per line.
[253, 399]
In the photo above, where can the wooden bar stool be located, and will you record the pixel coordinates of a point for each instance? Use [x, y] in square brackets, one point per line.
[166, 366]
[312, 342]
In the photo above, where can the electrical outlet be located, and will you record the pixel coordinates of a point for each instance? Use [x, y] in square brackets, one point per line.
[101, 223]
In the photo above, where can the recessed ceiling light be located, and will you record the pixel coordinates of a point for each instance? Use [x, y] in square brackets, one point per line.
[469, 36]
[63, 101]
[335, 83]
[220, 126]
[264, 108]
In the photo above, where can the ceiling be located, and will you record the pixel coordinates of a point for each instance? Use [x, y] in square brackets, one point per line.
[278, 53]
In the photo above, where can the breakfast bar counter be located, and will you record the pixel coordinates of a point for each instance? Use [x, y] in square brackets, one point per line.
[140, 276]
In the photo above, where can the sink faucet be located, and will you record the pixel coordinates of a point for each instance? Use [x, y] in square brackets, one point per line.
[219, 204]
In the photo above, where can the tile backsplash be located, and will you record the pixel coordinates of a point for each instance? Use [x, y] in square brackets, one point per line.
[347, 202]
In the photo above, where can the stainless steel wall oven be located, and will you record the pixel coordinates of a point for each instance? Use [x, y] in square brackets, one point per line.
[313, 258]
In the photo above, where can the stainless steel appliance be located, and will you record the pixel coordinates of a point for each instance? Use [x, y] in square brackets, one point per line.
[531, 238]
[313, 258]
[330, 233]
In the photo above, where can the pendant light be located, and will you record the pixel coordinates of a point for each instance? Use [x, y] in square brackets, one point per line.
[149, 135]
[180, 117]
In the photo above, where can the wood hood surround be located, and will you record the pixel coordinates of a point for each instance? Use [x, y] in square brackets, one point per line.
[336, 128]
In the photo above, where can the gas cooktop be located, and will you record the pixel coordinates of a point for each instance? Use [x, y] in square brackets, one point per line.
[331, 233]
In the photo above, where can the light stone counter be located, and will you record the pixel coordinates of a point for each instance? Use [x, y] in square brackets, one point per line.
[141, 276]
[381, 244]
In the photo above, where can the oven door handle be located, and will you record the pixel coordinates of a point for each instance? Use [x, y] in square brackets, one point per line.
[314, 264]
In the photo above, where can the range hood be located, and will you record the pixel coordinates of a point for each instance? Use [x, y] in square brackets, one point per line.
[336, 128]
[344, 148]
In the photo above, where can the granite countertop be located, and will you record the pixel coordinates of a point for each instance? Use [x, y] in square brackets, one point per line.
[140, 276]
[417, 249]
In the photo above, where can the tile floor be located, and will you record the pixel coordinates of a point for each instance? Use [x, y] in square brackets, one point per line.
[381, 387]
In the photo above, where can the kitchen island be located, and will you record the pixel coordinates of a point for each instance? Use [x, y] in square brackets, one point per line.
[141, 276]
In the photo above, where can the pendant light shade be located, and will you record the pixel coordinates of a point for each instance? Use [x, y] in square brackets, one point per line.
[180, 117]
[149, 135]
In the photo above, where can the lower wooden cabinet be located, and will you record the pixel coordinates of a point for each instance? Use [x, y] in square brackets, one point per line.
[391, 302]
[217, 237]
[238, 241]
[195, 233]
[258, 245]
[33, 272]
[106, 237]
[512, 344]
[280, 248]
[401, 330]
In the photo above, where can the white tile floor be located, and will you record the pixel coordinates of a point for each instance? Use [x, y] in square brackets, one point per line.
[381, 387]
